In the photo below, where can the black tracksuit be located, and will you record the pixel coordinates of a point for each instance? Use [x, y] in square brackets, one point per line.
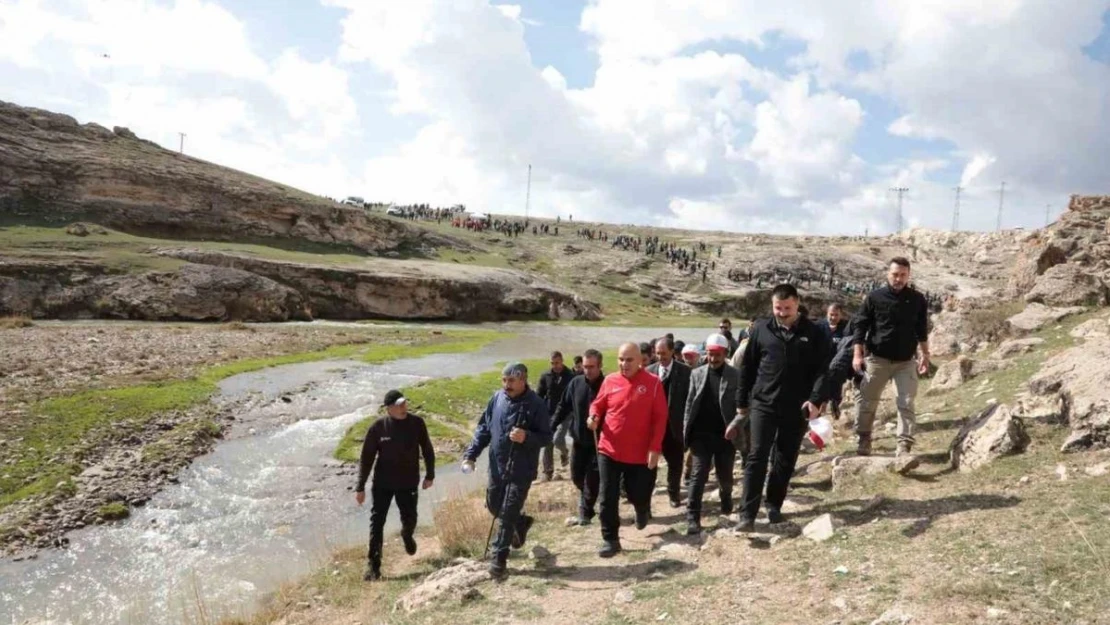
[392, 448]
[782, 370]
[575, 407]
[550, 388]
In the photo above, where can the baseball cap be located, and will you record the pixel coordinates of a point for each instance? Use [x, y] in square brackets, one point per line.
[394, 398]
[716, 341]
[515, 370]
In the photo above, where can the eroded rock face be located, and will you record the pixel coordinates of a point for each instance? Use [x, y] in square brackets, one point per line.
[1081, 238]
[1077, 379]
[54, 169]
[994, 433]
[190, 293]
[1068, 285]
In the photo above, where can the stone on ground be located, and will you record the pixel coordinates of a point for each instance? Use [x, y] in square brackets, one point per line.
[993, 433]
[894, 616]
[951, 374]
[1047, 409]
[1068, 284]
[1014, 347]
[1037, 315]
[1092, 328]
[1098, 470]
[820, 529]
[1077, 379]
[845, 468]
[451, 582]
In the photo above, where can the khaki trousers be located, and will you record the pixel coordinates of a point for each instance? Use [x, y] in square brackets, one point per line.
[879, 372]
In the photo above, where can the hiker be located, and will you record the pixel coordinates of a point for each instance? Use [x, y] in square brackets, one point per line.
[725, 328]
[782, 387]
[392, 448]
[574, 411]
[515, 426]
[891, 327]
[675, 377]
[711, 405]
[630, 415]
[835, 327]
[550, 389]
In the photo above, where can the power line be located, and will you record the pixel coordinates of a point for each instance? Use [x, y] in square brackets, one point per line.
[956, 211]
[900, 221]
[1001, 199]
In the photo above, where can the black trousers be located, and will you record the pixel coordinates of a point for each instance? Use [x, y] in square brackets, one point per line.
[380, 499]
[638, 479]
[710, 451]
[584, 474]
[776, 439]
[505, 501]
[672, 452]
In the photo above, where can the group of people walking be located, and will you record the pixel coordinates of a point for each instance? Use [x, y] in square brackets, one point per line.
[753, 395]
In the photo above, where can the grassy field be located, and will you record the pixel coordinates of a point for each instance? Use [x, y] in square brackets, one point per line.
[62, 424]
[451, 407]
[1011, 542]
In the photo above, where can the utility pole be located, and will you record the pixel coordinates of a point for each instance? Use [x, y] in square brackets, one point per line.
[956, 211]
[181, 145]
[1001, 198]
[528, 193]
[1047, 214]
[900, 191]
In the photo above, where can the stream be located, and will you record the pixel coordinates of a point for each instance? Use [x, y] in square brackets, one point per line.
[268, 505]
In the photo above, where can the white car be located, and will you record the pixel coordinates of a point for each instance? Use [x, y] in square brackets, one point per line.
[396, 212]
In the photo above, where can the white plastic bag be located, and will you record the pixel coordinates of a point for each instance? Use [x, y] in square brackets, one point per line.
[821, 432]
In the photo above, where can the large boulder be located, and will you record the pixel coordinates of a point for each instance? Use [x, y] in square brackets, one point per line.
[1092, 328]
[1068, 285]
[1037, 315]
[451, 582]
[994, 433]
[951, 374]
[1077, 379]
[846, 469]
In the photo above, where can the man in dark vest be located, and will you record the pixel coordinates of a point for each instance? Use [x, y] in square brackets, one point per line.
[675, 377]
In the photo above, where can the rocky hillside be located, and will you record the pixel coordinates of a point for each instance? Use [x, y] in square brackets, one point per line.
[54, 170]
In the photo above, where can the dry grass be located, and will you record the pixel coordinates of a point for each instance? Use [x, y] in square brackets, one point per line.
[462, 526]
[15, 322]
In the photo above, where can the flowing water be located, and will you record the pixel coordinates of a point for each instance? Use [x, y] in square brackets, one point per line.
[268, 505]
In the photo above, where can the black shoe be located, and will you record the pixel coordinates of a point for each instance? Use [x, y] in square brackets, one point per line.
[498, 568]
[520, 536]
[774, 516]
[726, 507]
[746, 525]
[608, 550]
[373, 573]
[642, 519]
[563, 460]
[410, 544]
[693, 526]
[676, 502]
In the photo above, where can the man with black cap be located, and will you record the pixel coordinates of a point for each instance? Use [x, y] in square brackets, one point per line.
[392, 448]
[515, 426]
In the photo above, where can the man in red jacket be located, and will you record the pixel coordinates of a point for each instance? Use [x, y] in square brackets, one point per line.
[630, 411]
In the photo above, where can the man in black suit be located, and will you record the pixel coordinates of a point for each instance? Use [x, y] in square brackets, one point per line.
[676, 385]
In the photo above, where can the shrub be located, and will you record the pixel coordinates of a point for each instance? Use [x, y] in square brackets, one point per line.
[462, 525]
[15, 322]
[113, 511]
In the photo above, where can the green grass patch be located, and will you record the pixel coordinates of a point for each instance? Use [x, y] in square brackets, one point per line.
[114, 511]
[456, 401]
[61, 425]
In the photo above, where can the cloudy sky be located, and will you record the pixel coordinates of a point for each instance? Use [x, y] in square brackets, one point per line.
[743, 115]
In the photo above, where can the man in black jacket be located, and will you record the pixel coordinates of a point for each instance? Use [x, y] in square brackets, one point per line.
[835, 326]
[710, 406]
[391, 448]
[572, 412]
[782, 385]
[550, 389]
[675, 377]
[892, 326]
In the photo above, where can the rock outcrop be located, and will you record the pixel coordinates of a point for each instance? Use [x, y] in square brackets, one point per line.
[54, 170]
[80, 290]
[1016, 347]
[1036, 316]
[994, 433]
[1077, 379]
[1079, 237]
[1068, 285]
[951, 375]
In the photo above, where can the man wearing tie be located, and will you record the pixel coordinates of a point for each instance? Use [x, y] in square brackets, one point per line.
[675, 377]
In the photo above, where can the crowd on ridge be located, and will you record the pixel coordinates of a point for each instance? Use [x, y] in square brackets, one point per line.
[750, 394]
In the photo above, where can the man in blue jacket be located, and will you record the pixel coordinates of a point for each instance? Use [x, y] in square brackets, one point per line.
[515, 426]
